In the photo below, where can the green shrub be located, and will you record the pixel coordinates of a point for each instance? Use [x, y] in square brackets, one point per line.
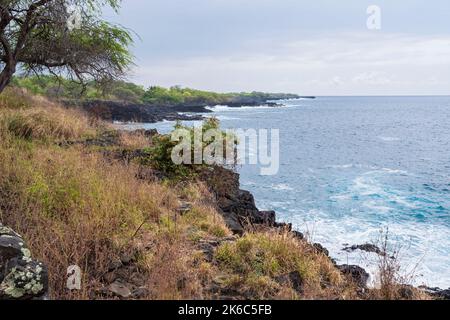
[160, 154]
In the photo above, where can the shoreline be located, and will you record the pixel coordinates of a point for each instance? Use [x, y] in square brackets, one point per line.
[360, 275]
[124, 112]
[133, 113]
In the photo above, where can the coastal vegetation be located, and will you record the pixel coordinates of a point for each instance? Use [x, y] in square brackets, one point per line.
[45, 37]
[118, 90]
[85, 195]
[82, 193]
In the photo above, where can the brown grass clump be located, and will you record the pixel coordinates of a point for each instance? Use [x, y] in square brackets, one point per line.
[260, 262]
[15, 98]
[134, 140]
[46, 123]
[393, 283]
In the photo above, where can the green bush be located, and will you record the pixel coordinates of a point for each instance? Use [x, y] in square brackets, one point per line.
[160, 154]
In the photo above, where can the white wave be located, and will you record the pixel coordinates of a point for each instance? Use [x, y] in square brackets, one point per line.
[388, 139]
[366, 187]
[423, 248]
[341, 197]
[352, 166]
[376, 206]
[343, 166]
[223, 108]
[282, 187]
[222, 118]
[394, 171]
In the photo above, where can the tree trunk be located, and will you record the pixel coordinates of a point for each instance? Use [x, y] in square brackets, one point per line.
[6, 75]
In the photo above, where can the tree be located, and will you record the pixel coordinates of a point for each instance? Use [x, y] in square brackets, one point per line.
[36, 36]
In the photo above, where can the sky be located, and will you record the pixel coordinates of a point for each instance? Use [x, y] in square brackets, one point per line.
[316, 47]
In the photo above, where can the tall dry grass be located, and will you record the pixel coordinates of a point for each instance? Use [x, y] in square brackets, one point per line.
[257, 260]
[75, 207]
[71, 205]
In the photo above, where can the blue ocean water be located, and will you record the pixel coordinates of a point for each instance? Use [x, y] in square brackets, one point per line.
[353, 166]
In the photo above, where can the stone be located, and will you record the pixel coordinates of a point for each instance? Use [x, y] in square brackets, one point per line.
[115, 264]
[127, 257]
[233, 223]
[208, 250]
[443, 294]
[298, 235]
[367, 247]
[320, 249]
[437, 293]
[119, 289]
[21, 277]
[283, 226]
[356, 273]
[140, 293]
[267, 218]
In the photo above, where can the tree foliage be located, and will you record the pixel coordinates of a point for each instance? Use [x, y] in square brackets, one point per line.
[52, 87]
[36, 37]
[119, 90]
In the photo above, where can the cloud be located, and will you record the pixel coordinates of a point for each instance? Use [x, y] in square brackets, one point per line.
[372, 78]
[342, 63]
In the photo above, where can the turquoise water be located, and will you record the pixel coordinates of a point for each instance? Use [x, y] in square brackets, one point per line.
[352, 166]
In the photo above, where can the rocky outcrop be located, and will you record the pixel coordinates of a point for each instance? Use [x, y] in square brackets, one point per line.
[367, 247]
[437, 293]
[241, 214]
[130, 112]
[150, 113]
[21, 277]
[237, 206]
[359, 276]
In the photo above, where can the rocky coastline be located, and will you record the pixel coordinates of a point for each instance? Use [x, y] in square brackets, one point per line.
[241, 215]
[237, 207]
[117, 111]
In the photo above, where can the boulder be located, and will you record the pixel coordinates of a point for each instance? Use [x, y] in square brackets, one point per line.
[320, 249]
[119, 289]
[265, 217]
[367, 247]
[21, 277]
[298, 235]
[437, 293]
[356, 273]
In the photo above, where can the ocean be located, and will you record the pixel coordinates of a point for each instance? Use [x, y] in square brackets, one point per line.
[353, 169]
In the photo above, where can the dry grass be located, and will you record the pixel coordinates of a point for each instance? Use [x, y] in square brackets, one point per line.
[75, 209]
[46, 123]
[15, 98]
[73, 206]
[131, 140]
[255, 261]
[392, 282]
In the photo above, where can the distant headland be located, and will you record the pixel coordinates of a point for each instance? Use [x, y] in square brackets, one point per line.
[128, 102]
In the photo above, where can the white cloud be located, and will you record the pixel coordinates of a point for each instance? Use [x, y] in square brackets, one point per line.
[372, 78]
[346, 63]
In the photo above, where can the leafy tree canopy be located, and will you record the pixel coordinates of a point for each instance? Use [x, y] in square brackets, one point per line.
[63, 38]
